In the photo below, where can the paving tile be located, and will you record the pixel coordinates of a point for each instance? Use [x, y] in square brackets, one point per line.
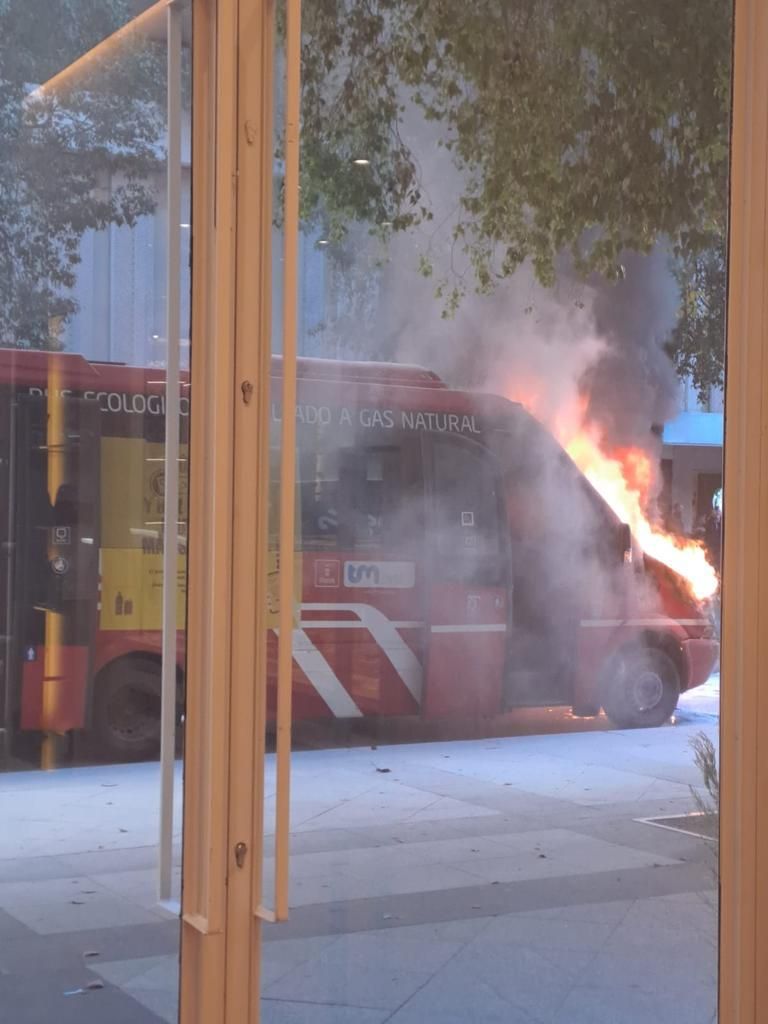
[133, 858]
[49, 892]
[160, 938]
[391, 803]
[34, 869]
[534, 979]
[590, 1005]
[337, 981]
[394, 856]
[138, 886]
[96, 911]
[660, 967]
[163, 1003]
[556, 852]
[36, 999]
[22, 951]
[378, 883]
[398, 949]
[283, 955]
[274, 1011]
[120, 972]
[677, 918]
[456, 997]
[546, 933]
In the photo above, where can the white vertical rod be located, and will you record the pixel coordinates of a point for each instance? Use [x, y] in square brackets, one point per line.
[171, 491]
[287, 544]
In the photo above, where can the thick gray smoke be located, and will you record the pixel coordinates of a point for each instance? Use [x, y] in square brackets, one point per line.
[633, 386]
[579, 354]
[600, 340]
[603, 341]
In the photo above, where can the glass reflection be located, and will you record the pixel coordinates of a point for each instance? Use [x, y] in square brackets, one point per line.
[509, 438]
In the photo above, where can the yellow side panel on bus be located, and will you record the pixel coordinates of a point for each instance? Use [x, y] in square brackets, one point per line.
[132, 508]
[132, 589]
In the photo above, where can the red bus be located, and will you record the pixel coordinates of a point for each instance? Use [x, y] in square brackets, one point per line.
[453, 563]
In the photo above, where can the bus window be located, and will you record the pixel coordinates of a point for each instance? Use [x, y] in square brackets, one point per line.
[466, 513]
[318, 484]
[358, 499]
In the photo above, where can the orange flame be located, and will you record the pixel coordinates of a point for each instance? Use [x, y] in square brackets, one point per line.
[624, 478]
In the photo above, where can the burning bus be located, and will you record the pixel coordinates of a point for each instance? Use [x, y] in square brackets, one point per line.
[453, 563]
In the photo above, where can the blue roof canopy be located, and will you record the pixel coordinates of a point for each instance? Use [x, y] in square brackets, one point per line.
[695, 428]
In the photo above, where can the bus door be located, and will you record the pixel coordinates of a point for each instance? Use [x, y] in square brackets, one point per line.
[55, 481]
[468, 600]
[569, 585]
[360, 649]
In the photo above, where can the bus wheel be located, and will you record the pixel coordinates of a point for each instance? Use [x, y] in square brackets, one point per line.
[126, 710]
[641, 689]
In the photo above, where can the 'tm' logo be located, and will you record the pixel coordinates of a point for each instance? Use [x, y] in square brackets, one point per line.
[384, 575]
[361, 574]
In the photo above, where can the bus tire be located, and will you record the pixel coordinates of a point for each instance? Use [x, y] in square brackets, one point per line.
[126, 709]
[641, 688]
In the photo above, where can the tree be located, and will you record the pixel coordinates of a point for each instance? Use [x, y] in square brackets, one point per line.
[577, 130]
[696, 344]
[76, 157]
[585, 129]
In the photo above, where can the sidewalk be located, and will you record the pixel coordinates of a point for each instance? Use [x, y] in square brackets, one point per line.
[501, 881]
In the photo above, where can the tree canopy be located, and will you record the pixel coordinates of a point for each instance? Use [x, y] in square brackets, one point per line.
[581, 129]
[577, 130]
[76, 157]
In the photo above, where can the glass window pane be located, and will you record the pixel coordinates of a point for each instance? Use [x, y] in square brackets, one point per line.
[505, 720]
[94, 372]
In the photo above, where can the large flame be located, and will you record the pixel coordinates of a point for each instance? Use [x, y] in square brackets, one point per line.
[624, 477]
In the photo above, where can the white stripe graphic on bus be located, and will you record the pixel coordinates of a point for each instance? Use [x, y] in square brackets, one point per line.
[487, 627]
[645, 622]
[384, 632]
[323, 678]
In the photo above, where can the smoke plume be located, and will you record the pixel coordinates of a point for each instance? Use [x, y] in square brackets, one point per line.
[595, 344]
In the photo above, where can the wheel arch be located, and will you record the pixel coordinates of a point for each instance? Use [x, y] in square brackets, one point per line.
[647, 638]
[152, 657]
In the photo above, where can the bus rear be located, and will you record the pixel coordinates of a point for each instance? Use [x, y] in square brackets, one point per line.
[82, 455]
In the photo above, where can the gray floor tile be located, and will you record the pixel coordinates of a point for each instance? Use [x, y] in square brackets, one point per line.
[163, 1003]
[547, 933]
[536, 980]
[89, 912]
[659, 967]
[39, 998]
[279, 1012]
[132, 858]
[589, 1005]
[33, 869]
[326, 979]
[281, 956]
[456, 998]
[121, 972]
[391, 950]
[52, 892]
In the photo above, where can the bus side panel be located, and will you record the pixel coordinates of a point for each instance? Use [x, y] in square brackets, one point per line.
[467, 651]
[67, 691]
[357, 651]
[307, 702]
[592, 649]
[468, 594]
